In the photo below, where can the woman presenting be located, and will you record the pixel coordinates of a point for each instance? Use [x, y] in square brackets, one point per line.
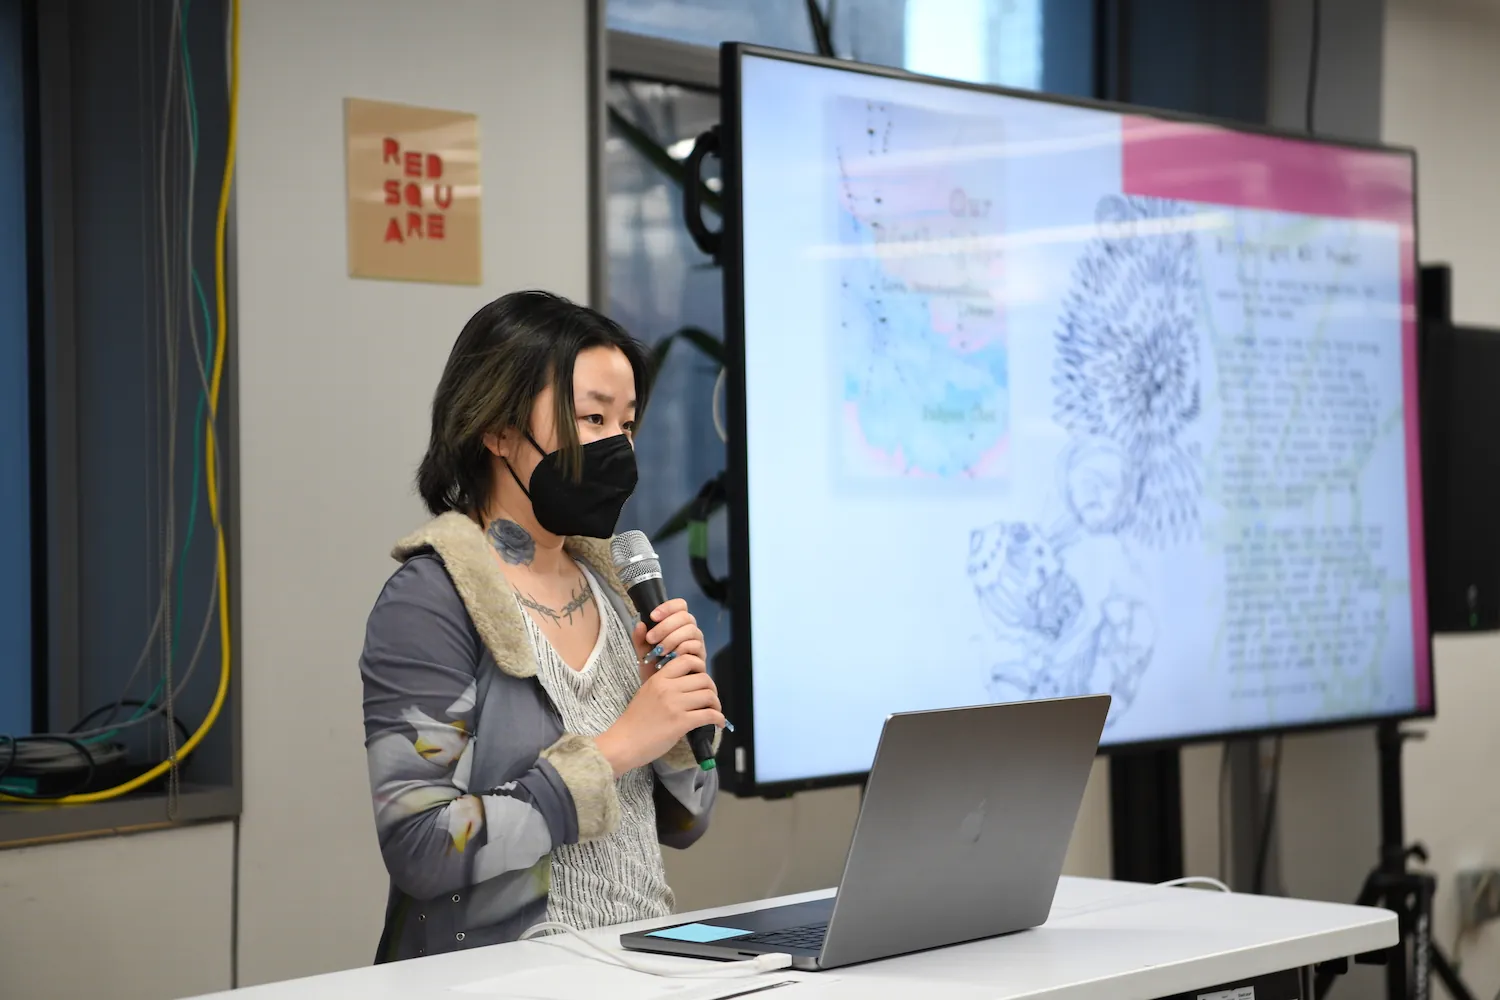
[526, 745]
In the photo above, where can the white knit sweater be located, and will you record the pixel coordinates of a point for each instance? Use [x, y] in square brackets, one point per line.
[619, 877]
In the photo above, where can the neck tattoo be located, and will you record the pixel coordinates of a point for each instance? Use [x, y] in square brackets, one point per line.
[513, 543]
[582, 596]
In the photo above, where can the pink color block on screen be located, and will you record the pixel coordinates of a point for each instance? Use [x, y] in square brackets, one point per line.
[1187, 161]
[1205, 163]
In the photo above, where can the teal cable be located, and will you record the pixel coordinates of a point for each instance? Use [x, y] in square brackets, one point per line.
[208, 327]
[198, 420]
[208, 336]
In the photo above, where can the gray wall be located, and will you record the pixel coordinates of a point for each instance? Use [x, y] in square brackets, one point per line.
[1442, 82]
[335, 383]
[335, 377]
[1328, 816]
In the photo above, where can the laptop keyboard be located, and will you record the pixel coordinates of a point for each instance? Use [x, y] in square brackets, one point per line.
[808, 937]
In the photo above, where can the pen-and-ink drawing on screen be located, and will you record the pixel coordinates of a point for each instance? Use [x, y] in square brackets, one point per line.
[1126, 384]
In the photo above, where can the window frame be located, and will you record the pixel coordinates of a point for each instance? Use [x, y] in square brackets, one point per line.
[615, 54]
[55, 386]
[57, 698]
[660, 60]
[36, 692]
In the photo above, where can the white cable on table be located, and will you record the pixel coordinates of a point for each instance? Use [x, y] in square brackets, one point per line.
[1135, 897]
[1204, 880]
[775, 961]
[598, 953]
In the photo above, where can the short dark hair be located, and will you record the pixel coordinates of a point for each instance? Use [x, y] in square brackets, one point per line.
[508, 352]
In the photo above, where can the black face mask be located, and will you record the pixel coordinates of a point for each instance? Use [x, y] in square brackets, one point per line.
[589, 505]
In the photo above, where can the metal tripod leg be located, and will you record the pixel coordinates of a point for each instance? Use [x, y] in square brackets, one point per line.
[1449, 975]
[1427, 957]
[1370, 894]
[1420, 917]
[1397, 888]
[1430, 957]
[1409, 895]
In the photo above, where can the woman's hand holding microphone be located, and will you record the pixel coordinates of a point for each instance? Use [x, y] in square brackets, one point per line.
[676, 694]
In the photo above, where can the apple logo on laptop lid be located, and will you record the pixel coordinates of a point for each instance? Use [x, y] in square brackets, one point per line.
[972, 826]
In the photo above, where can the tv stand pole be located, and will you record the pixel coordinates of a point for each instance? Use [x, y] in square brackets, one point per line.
[1145, 792]
[1409, 965]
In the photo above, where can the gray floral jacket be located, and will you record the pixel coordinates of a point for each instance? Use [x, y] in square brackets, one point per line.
[474, 780]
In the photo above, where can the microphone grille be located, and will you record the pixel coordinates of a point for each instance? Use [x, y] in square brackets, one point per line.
[634, 558]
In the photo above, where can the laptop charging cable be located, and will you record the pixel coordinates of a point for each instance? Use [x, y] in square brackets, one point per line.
[757, 966]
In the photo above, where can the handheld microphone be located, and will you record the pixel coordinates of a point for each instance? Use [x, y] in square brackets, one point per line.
[640, 571]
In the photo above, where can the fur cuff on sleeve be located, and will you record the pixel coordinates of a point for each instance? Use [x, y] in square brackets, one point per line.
[680, 757]
[591, 782]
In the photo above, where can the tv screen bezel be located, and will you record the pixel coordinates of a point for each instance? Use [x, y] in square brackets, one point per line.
[741, 776]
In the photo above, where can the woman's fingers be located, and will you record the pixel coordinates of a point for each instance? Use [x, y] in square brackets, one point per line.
[681, 665]
[675, 606]
[686, 641]
[670, 625]
[706, 717]
[697, 681]
[692, 701]
[692, 647]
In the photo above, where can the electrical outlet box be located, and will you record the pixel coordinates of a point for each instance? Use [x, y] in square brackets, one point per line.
[1478, 897]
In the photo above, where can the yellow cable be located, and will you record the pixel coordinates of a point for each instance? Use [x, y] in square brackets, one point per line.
[221, 301]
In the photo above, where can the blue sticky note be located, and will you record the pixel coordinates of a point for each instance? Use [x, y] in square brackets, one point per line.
[696, 933]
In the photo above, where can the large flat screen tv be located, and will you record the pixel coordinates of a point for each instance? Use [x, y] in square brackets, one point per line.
[1033, 397]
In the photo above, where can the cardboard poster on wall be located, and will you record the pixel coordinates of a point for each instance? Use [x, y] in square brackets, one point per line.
[413, 192]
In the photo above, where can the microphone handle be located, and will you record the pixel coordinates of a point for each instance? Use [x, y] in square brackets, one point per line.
[647, 596]
[702, 742]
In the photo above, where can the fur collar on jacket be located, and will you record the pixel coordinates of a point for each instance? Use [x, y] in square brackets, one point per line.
[470, 561]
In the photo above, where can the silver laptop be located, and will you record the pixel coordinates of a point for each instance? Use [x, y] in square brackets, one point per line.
[961, 835]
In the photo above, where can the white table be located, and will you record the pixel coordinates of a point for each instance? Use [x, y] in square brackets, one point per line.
[1104, 941]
